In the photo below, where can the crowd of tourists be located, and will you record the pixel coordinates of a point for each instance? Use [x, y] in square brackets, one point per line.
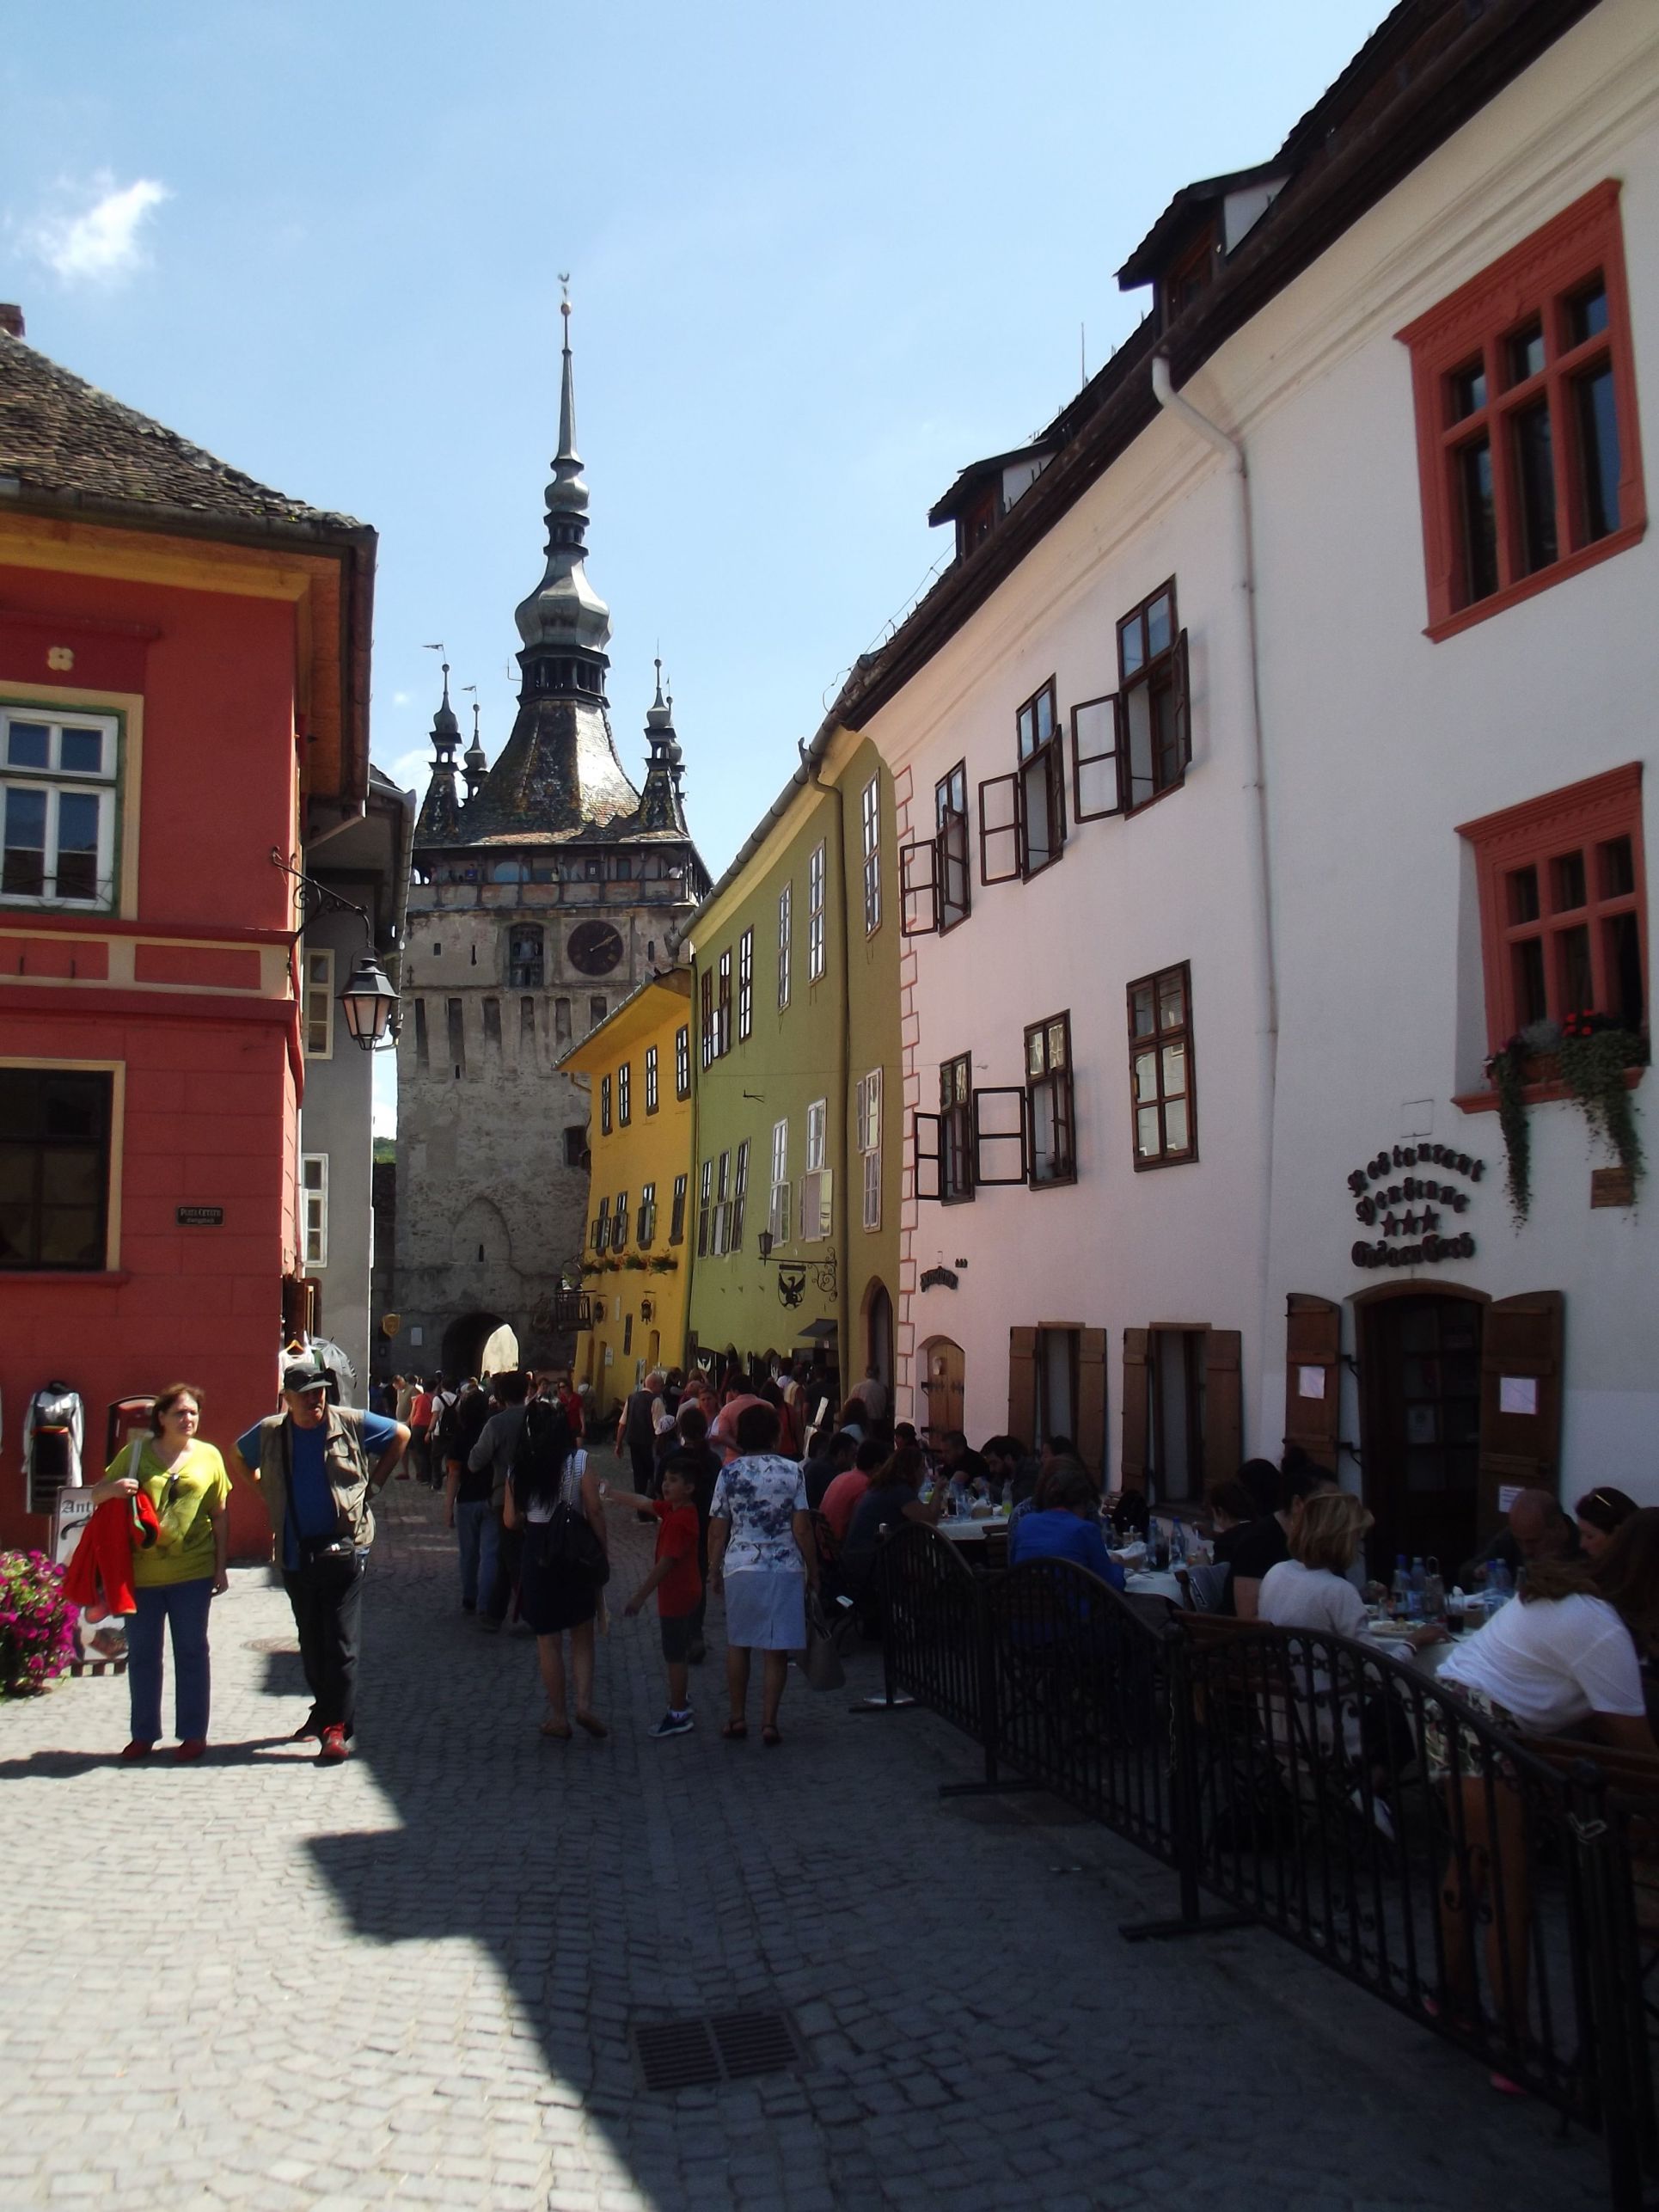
[765, 1499]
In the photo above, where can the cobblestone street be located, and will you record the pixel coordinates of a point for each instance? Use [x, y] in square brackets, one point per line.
[260, 1983]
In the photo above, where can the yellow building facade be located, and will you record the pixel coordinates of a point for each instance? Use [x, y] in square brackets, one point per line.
[636, 1263]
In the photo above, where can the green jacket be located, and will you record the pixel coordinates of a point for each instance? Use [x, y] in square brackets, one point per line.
[343, 1461]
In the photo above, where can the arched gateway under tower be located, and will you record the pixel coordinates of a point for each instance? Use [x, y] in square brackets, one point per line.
[539, 901]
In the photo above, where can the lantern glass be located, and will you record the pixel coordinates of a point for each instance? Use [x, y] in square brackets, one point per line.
[368, 1001]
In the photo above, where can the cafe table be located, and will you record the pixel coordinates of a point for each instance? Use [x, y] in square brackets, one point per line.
[969, 1531]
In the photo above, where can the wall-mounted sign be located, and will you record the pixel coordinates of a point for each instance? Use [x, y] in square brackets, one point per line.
[200, 1217]
[944, 1276]
[1412, 1207]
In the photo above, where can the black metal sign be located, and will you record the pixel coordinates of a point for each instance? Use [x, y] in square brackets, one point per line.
[1412, 1206]
[200, 1217]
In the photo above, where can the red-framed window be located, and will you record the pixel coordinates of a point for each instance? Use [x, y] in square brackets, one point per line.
[1527, 442]
[1562, 914]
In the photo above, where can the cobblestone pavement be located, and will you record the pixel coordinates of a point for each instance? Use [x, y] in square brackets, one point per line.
[259, 1983]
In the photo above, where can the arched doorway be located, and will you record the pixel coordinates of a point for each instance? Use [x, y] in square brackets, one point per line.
[941, 1382]
[500, 1352]
[877, 1319]
[1419, 1355]
[465, 1341]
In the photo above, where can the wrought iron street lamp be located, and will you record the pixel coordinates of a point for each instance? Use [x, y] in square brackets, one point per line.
[368, 1001]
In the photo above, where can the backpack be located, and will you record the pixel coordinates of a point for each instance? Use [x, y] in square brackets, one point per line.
[539, 1459]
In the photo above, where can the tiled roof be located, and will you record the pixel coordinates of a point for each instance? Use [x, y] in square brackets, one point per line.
[60, 438]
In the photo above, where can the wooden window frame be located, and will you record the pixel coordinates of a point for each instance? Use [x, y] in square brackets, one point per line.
[1042, 759]
[818, 881]
[723, 1006]
[1167, 671]
[676, 1219]
[1470, 332]
[604, 1105]
[745, 984]
[785, 944]
[1157, 1041]
[682, 1061]
[602, 1225]
[645, 1234]
[705, 1205]
[1055, 1082]
[869, 1144]
[956, 1119]
[56, 783]
[319, 1001]
[1581, 818]
[870, 846]
[624, 1093]
[312, 1256]
[740, 1195]
[778, 1211]
[104, 1083]
[654, 1097]
[706, 1016]
[619, 1224]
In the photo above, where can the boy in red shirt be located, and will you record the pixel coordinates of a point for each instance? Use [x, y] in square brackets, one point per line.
[676, 1578]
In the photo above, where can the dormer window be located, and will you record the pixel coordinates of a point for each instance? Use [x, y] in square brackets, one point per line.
[976, 523]
[1191, 272]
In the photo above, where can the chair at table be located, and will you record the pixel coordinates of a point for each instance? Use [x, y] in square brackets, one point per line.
[1201, 1587]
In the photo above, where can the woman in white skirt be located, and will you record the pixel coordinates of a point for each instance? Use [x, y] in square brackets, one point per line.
[760, 1553]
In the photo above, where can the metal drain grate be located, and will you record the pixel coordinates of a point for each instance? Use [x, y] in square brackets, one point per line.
[726, 2047]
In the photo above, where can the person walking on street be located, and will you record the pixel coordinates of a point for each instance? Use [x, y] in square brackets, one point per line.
[760, 1550]
[554, 1499]
[636, 1430]
[700, 1457]
[489, 1463]
[317, 1466]
[467, 1489]
[175, 1580]
[421, 1422]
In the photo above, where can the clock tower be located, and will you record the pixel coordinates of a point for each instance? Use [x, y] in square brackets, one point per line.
[538, 903]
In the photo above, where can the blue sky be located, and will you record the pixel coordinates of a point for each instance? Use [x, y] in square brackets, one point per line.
[820, 257]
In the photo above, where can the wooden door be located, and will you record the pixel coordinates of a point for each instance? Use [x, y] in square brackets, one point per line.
[1313, 1375]
[942, 1384]
[1421, 1364]
[1519, 1400]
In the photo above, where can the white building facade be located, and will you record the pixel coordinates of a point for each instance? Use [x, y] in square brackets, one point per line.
[1360, 572]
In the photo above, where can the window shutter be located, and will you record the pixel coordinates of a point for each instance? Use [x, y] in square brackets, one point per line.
[918, 883]
[1183, 691]
[1312, 1357]
[1092, 1399]
[1224, 1404]
[861, 1111]
[1521, 1340]
[1002, 1138]
[873, 1109]
[927, 1146]
[1132, 1462]
[1002, 825]
[1022, 1385]
[1095, 753]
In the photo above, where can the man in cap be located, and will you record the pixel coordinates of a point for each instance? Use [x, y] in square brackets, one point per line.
[317, 1466]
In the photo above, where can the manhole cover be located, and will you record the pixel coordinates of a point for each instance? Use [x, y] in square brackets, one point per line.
[724, 2047]
[272, 1643]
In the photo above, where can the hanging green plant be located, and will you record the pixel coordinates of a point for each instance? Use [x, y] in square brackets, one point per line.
[664, 1263]
[1593, 1056]
[634, 1264]
[1506, 1071]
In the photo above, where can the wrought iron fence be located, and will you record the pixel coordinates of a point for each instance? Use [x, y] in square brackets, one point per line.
[1503, 1894]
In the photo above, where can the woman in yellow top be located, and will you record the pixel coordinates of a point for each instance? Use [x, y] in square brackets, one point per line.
[175, 1578]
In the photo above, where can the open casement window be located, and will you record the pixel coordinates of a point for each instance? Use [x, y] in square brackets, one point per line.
[745, 982]
[1312, 1376]
[719, 1220]
[786, 942]
[602, 1226]
[739, 1195]
[1154, 714]
[1097, 754]
[1000, 1136]
[604, 1105]
[778, 1213]
[956, 1130]
[645, 1233]
[1052, 1152]
[1042, 780]
[1090, 1433]
[1520, 1425]
[705, 1205]
[683, 1061]
[705, 1017]
[1137, 1412]
[927, 1164]
[677, 1219]
[817, 1185]
[723, 1006]
[619, 1224]
[918, 889]
[1001, 830]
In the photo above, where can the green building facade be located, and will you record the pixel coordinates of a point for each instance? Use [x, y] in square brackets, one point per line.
[793, 1225]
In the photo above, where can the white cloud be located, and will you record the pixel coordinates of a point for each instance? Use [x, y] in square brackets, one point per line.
[98, 240]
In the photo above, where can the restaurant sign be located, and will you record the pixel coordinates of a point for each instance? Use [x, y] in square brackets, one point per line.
[1392, 1197]
[200, 1217]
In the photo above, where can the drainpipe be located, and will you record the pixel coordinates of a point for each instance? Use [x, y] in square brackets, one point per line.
[847, 1152]
[1232, 453]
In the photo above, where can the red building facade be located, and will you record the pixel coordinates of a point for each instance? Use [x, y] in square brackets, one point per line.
[183, 671]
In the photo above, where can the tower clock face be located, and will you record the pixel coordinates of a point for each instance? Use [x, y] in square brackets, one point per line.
[594, 947]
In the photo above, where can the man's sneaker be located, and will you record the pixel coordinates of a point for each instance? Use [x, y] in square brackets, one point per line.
[333, 1747]
[675, 1724]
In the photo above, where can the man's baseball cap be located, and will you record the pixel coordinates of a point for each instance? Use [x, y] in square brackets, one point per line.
[298, 1377]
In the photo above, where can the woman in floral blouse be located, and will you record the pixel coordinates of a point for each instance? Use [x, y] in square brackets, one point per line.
[760, 1552]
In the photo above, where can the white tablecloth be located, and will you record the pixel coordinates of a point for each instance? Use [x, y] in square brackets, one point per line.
[1157, 1582]
[970, 1532]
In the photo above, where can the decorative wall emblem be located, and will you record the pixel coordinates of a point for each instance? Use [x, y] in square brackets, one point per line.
[1413, 1207]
